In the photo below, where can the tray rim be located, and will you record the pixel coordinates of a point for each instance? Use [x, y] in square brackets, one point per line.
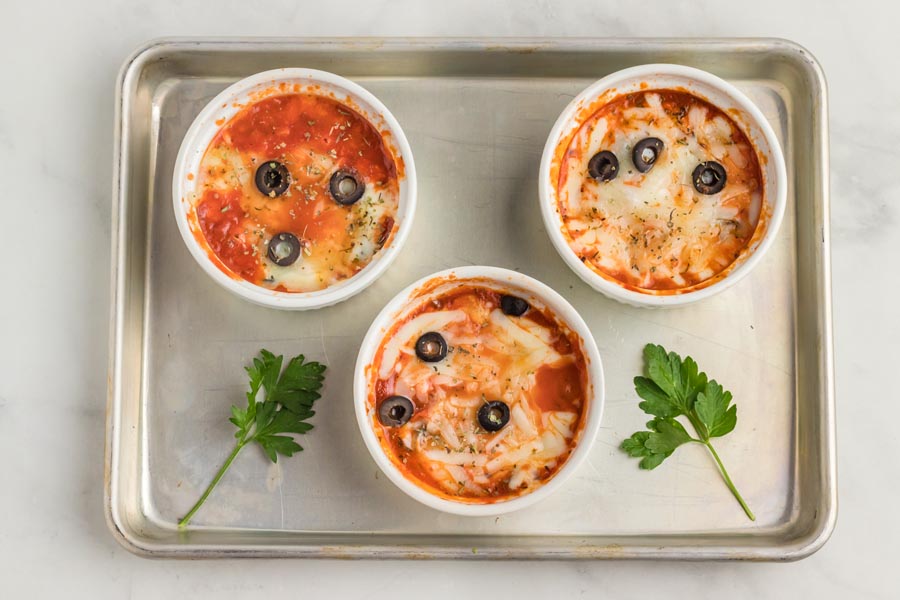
[654, 547]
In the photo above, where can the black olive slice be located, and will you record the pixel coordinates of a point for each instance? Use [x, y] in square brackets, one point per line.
[272, 178]
[284, 249]
[493, 415]
[431, 347]
[395, 411]
[646, 152]
[709, 177]
[513, 305]
[603, 166]
[346, 187]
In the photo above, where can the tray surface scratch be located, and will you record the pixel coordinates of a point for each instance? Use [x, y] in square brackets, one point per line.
[477, 114]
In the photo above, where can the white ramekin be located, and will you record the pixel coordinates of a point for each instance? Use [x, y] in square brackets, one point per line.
[226, 105]
[528, 288]
[716, 91]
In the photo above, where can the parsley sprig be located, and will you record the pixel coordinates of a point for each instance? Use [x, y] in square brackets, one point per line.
[673, 388]
[289, 398]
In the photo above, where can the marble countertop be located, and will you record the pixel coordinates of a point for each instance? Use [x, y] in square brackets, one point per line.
[60, 64]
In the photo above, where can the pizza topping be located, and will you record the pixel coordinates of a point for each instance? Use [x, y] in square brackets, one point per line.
[431, 347]
[663, 225]
[284, 249]
[272, 178]
[270, 170]
[346, 187]
[646, 152]
[603, 166]
[499, 414]
[395, 411]
[513, 305]
[709, 178]
[493, 415]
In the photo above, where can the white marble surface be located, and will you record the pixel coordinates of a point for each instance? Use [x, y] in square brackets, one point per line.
[59, 66]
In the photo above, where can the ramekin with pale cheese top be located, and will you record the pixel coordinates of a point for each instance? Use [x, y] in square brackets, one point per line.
[662, 185]
[478, 390]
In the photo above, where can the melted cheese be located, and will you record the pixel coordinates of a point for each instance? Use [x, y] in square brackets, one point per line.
[313, 137]
[491, 356]
[654, 230]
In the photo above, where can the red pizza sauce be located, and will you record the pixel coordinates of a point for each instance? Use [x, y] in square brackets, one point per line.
[312, 137]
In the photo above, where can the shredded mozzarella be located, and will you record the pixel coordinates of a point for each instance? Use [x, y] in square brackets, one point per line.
[491, 356]
[654, 230]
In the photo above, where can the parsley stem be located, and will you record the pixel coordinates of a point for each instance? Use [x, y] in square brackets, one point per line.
[729, 483]
[237, 448]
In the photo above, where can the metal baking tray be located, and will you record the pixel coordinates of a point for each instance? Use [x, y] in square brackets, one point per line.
[477, 113]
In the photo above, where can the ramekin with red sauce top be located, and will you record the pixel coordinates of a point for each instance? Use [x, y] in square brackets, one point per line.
[478, 390]
[294, 188]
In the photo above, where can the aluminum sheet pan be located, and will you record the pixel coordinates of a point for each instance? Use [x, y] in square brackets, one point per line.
[477, 113]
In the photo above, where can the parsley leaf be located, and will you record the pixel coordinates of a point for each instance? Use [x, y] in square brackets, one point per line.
[285, 409]
[675, 387]
[666, 436]
[680, 380]
[273, 445]
[664, 370]
[635, 447]
[656, 402]
[713, 410]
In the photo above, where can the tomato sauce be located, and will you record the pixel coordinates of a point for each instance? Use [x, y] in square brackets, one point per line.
[219, 216]
[558, 388]
[313, 136]
[654, 231]
[542, 376]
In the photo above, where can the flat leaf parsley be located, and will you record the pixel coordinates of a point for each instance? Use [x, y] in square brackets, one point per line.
[673, 388]
[289, 398]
